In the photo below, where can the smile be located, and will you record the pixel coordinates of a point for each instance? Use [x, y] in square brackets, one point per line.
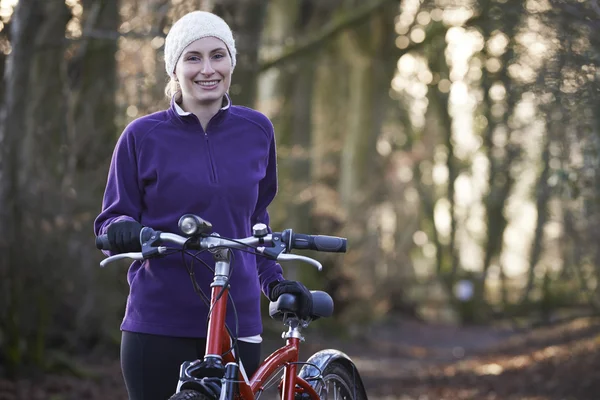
[206, 83]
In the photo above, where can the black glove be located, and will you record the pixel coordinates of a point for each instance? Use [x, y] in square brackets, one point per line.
[124, 236]
[296, 288]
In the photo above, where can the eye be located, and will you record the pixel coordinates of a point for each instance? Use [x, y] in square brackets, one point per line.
[192, 58]
[218, 56]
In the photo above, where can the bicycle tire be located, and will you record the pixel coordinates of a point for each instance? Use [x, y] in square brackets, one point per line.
[339, 383]
[190, 395]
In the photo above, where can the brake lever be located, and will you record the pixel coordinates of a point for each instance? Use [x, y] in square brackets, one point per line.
[134, 255]
[117, 257]
[308, 260]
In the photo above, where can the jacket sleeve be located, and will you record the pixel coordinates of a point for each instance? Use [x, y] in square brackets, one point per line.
[122, 196]
[268, 270]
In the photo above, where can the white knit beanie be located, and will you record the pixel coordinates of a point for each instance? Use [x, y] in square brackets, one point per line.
[191, 27]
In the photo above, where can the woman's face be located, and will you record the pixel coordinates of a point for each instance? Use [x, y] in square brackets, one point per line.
[204, 71]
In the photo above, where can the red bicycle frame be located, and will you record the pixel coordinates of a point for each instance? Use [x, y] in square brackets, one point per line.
[218, 363]
[218, 342]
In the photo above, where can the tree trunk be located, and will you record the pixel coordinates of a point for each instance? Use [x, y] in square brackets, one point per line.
[447, 257]
[159, 12]
[27, 19]
[542, 197]
[92, 136]
[366, 50]
[245, 17]
[292, 92]
[92, 104]
[328, 125]
[43, 162]
[501, 157]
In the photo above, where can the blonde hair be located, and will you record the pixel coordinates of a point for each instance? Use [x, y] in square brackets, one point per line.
[171, 88]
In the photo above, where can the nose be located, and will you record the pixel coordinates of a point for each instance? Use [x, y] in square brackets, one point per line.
[207, 68]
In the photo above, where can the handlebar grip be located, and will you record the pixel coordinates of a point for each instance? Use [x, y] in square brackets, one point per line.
[102, 242]
[331, 244]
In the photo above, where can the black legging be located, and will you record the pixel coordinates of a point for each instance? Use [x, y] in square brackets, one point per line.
[150, 363]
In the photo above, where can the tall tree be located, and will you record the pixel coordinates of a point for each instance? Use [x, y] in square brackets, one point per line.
[498, 19]
[30, 125]
[368, 51]
[291, 96]
[44, 163]
[92, 136]
[93, 99]
[245, 17]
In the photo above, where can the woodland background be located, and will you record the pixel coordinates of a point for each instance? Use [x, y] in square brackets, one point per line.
[454, 142]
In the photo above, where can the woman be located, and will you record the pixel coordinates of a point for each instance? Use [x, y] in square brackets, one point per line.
[205, 156]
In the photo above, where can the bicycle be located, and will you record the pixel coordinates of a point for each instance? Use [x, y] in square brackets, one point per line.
[218, 376]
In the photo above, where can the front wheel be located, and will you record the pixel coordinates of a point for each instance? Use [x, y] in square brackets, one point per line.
[190, 395]
[340, 383]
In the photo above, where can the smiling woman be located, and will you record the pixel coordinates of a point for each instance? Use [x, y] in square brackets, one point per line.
[204, 74]
[204, 156]
[200, 56]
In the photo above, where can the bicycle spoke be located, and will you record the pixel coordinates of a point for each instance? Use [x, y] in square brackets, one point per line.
[335, 388]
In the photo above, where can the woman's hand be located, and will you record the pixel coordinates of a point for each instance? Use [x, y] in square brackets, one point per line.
[124, 236]
[296, 288]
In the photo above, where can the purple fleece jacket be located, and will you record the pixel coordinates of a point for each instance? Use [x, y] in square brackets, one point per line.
[164, 165]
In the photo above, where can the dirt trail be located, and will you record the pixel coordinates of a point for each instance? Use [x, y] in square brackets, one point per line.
[409, 360]
[400, 349]
[417, 361]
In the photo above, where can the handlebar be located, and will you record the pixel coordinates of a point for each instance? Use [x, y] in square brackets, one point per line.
[275, 246]
[329, 244]
[298, 241]
[102, 242]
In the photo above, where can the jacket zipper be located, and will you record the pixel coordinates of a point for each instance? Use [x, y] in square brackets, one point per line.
[213, 171]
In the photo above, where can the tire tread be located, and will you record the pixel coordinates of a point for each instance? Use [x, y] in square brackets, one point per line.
[346, 374]
[190, 395]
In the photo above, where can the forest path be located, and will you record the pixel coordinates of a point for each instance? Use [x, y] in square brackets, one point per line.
[409, 360]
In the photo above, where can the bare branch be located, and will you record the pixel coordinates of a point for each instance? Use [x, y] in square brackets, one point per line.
[161, 19]
[579, 14]
[328, 32]
[595, 6]
[91, 21]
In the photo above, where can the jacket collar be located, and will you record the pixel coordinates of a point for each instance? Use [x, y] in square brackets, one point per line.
[187, 117]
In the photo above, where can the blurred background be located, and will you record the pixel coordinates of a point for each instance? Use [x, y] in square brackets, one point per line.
[454, 142]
